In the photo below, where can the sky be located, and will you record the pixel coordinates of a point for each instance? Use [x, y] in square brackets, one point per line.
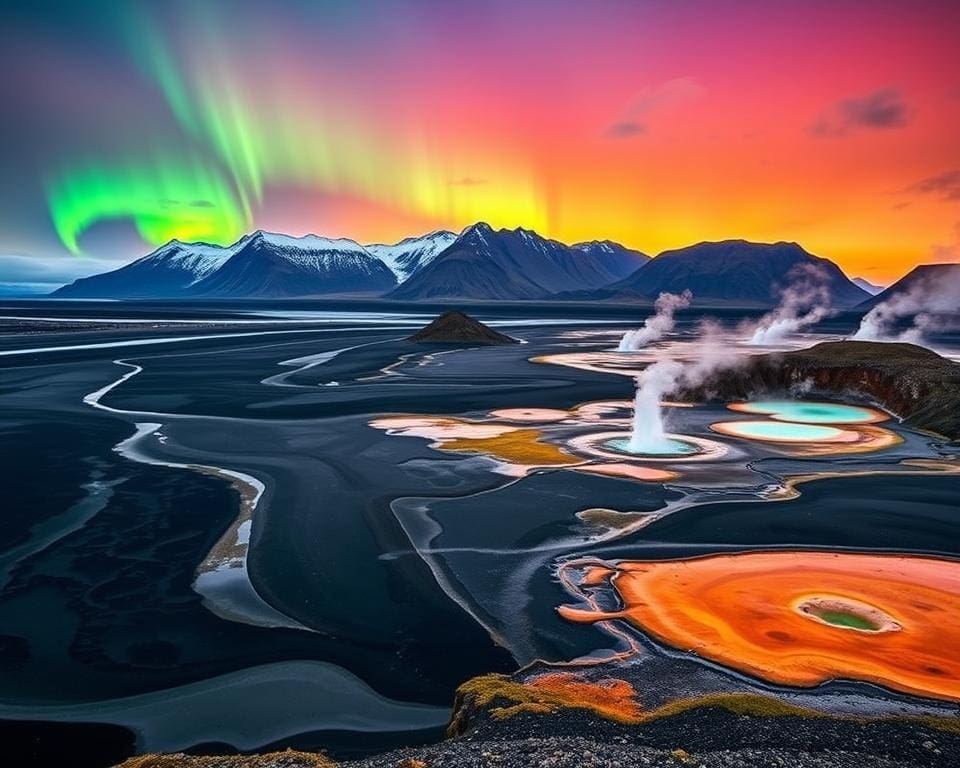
[653, 123]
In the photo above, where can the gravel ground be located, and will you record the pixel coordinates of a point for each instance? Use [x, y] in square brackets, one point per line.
[578, 752]
[703, 738]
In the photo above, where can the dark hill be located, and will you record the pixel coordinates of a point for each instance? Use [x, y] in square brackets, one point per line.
[731, 271]
[936, 286]
[455, 327]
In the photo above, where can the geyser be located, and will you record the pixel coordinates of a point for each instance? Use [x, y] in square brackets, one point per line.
[647, 434]
[663, 377]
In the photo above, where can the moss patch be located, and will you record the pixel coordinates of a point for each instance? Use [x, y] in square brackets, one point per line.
[614, 700]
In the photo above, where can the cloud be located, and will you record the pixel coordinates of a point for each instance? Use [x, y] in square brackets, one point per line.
[945, 254]
[881, 110]
[52, 271]
[950, 253]
[635, 118]
[625, 129]
[944, 185]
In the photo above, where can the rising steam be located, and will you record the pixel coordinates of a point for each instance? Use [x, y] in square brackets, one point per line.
[659, 324]
[667, 376]
[805, 302]
[928, 305]
[653, 383]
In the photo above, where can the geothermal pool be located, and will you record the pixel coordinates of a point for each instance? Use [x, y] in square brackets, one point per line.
[664, 447]
[797, 618]
[783, 432]
[810, 412]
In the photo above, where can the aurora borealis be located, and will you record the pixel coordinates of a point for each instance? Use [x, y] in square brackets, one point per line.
[653, 124]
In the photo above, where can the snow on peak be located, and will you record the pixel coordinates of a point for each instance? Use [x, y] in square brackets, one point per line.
[412, 253]
[606, 246]
[309, 242]
[198, 259]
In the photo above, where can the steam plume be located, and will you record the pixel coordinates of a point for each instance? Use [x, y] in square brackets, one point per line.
[667, 376]
[928, 303]
[659, 324]
[805, 302]
[655, 381]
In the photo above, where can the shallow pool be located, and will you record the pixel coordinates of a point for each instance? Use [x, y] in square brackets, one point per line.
[810, 412]
[669, 447]
[783, 432]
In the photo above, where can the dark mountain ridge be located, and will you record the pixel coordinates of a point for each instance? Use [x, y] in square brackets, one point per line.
[936, 288]
[484, 263]
[729, 271]
[479, 264]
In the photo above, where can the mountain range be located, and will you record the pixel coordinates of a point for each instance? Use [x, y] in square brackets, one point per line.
[484, 263]
[480, 263]
[261, 265]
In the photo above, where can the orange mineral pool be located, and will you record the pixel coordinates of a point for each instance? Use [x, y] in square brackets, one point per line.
[801, 618]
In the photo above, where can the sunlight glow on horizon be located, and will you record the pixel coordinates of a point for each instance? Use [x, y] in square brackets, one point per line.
[680, 124]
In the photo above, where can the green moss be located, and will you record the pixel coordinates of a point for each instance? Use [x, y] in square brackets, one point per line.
[748, 704]
[844, 619]
[504, 697]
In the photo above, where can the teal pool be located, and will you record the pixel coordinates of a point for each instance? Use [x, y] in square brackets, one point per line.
[810, 412]
[668, 447]
[783, 432]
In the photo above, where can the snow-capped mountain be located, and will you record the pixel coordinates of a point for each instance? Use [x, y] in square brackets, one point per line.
[275, 265]
[262, 264]
[479, 263]
[168, 271]
[483, 263]
[618, 260]
[412, 254]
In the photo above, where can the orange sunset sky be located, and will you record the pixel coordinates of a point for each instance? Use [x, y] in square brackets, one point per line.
[656, 124]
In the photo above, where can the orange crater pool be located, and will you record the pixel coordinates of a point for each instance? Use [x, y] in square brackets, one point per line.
[800, 618]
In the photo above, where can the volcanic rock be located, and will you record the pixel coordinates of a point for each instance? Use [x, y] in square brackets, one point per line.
[913, 382]
[453, 327]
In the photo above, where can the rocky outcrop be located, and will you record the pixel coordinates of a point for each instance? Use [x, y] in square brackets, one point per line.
[914, 383]
[455, 327]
